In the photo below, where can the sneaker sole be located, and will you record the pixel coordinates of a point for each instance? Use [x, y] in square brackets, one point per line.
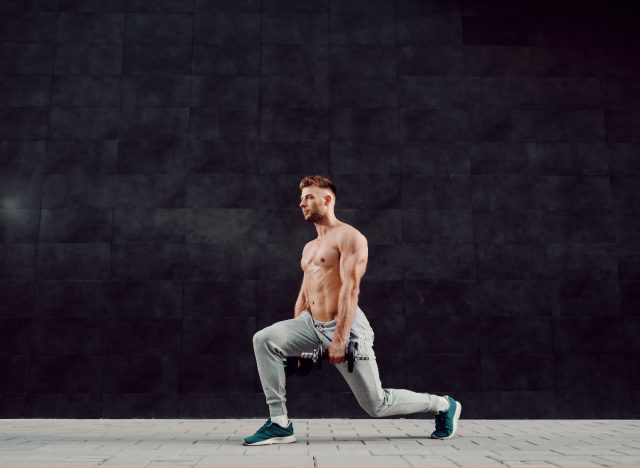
[456, 416]
[274, 440]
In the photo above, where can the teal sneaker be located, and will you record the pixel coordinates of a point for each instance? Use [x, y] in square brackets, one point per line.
[271, 433]
[447, 421]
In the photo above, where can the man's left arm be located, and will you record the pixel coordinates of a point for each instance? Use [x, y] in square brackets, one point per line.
[353, 263]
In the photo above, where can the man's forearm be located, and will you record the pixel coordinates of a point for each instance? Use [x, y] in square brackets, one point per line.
[347, 303]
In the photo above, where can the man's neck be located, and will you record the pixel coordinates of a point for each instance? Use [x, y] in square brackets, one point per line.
[324, 225]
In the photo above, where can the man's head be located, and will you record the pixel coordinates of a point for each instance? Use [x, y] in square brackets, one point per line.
[318, 197]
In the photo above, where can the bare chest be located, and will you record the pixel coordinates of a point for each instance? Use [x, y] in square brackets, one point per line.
[320, 256]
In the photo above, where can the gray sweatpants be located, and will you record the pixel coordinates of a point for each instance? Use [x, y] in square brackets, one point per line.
[304, 334]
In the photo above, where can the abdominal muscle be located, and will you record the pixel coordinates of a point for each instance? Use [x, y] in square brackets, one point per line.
[323, 291]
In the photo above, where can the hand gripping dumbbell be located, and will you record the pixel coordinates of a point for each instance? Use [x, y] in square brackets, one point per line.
[303, 364]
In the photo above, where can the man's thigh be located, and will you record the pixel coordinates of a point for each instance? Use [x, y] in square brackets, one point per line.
[291, 337]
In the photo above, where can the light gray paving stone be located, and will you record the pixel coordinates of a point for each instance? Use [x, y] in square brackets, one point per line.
[353, 460]
[258, 461]
[431, 462]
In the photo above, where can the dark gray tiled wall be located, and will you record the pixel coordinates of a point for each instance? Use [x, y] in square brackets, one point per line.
[149, 158]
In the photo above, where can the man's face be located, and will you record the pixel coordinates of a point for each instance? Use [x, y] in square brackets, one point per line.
[313, 203]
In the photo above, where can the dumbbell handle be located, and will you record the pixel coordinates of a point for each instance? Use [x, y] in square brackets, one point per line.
[313, 355]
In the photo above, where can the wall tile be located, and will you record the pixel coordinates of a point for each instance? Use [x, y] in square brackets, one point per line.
[27, 91]
[152, 156]
[432, 261]
[83, 123]
[17, 262]
[498, 61]
[91, 5]
[217, 262]
[432, 92]
[224, 124]
[164, 261]
[584, 298]
[88, 59]
[25, 123]
[440, 298]
[159, 28]
[363, 158]
[18, 225]
[75, 225]
[575, 192]
[435, 227]
[78, 91]
[440, 125]
[363, 61]
[515, 335]
[131, 299]
[90, 28]
[22, 156]
[495, 30]
[207, 335]
[152, 91]
[77, 189]
[293, 91]
[37, 26]
[225, 91]
[511, 261]
[71, 299]
[143, 336]
[295, 28]
[162, 5]
[227, 59]
[79, 261]
[222, 298]
[361, 29]
[512, 298]
[436, 192]
[293, 157]
[430, 60]
[66, 336]
[283, 124]
[20, 190]
[504, 192]
[142, 225]
[140, 373]
[464, 329]
[64, 374]
[435, 158]
[508, 227]
[227, 28]
[157, 59]
[144, 123]
[518, 372]
[294, 59]
[26, 59]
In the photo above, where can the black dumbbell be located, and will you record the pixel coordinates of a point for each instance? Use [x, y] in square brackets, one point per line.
[303, 364]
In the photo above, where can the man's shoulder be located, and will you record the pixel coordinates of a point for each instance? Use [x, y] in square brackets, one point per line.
[348, 234]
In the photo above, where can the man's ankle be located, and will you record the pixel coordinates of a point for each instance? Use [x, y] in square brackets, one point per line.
[281, 420]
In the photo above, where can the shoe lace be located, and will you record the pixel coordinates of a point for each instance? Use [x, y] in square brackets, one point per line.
[265, 425]
[440, 422]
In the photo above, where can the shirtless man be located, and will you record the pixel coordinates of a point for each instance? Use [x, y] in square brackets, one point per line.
[327, 313]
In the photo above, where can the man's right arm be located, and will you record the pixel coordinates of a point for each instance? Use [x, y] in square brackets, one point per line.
[301, 303]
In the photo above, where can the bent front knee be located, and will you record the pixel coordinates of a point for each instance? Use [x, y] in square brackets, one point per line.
[259, 338]
[375, 409]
